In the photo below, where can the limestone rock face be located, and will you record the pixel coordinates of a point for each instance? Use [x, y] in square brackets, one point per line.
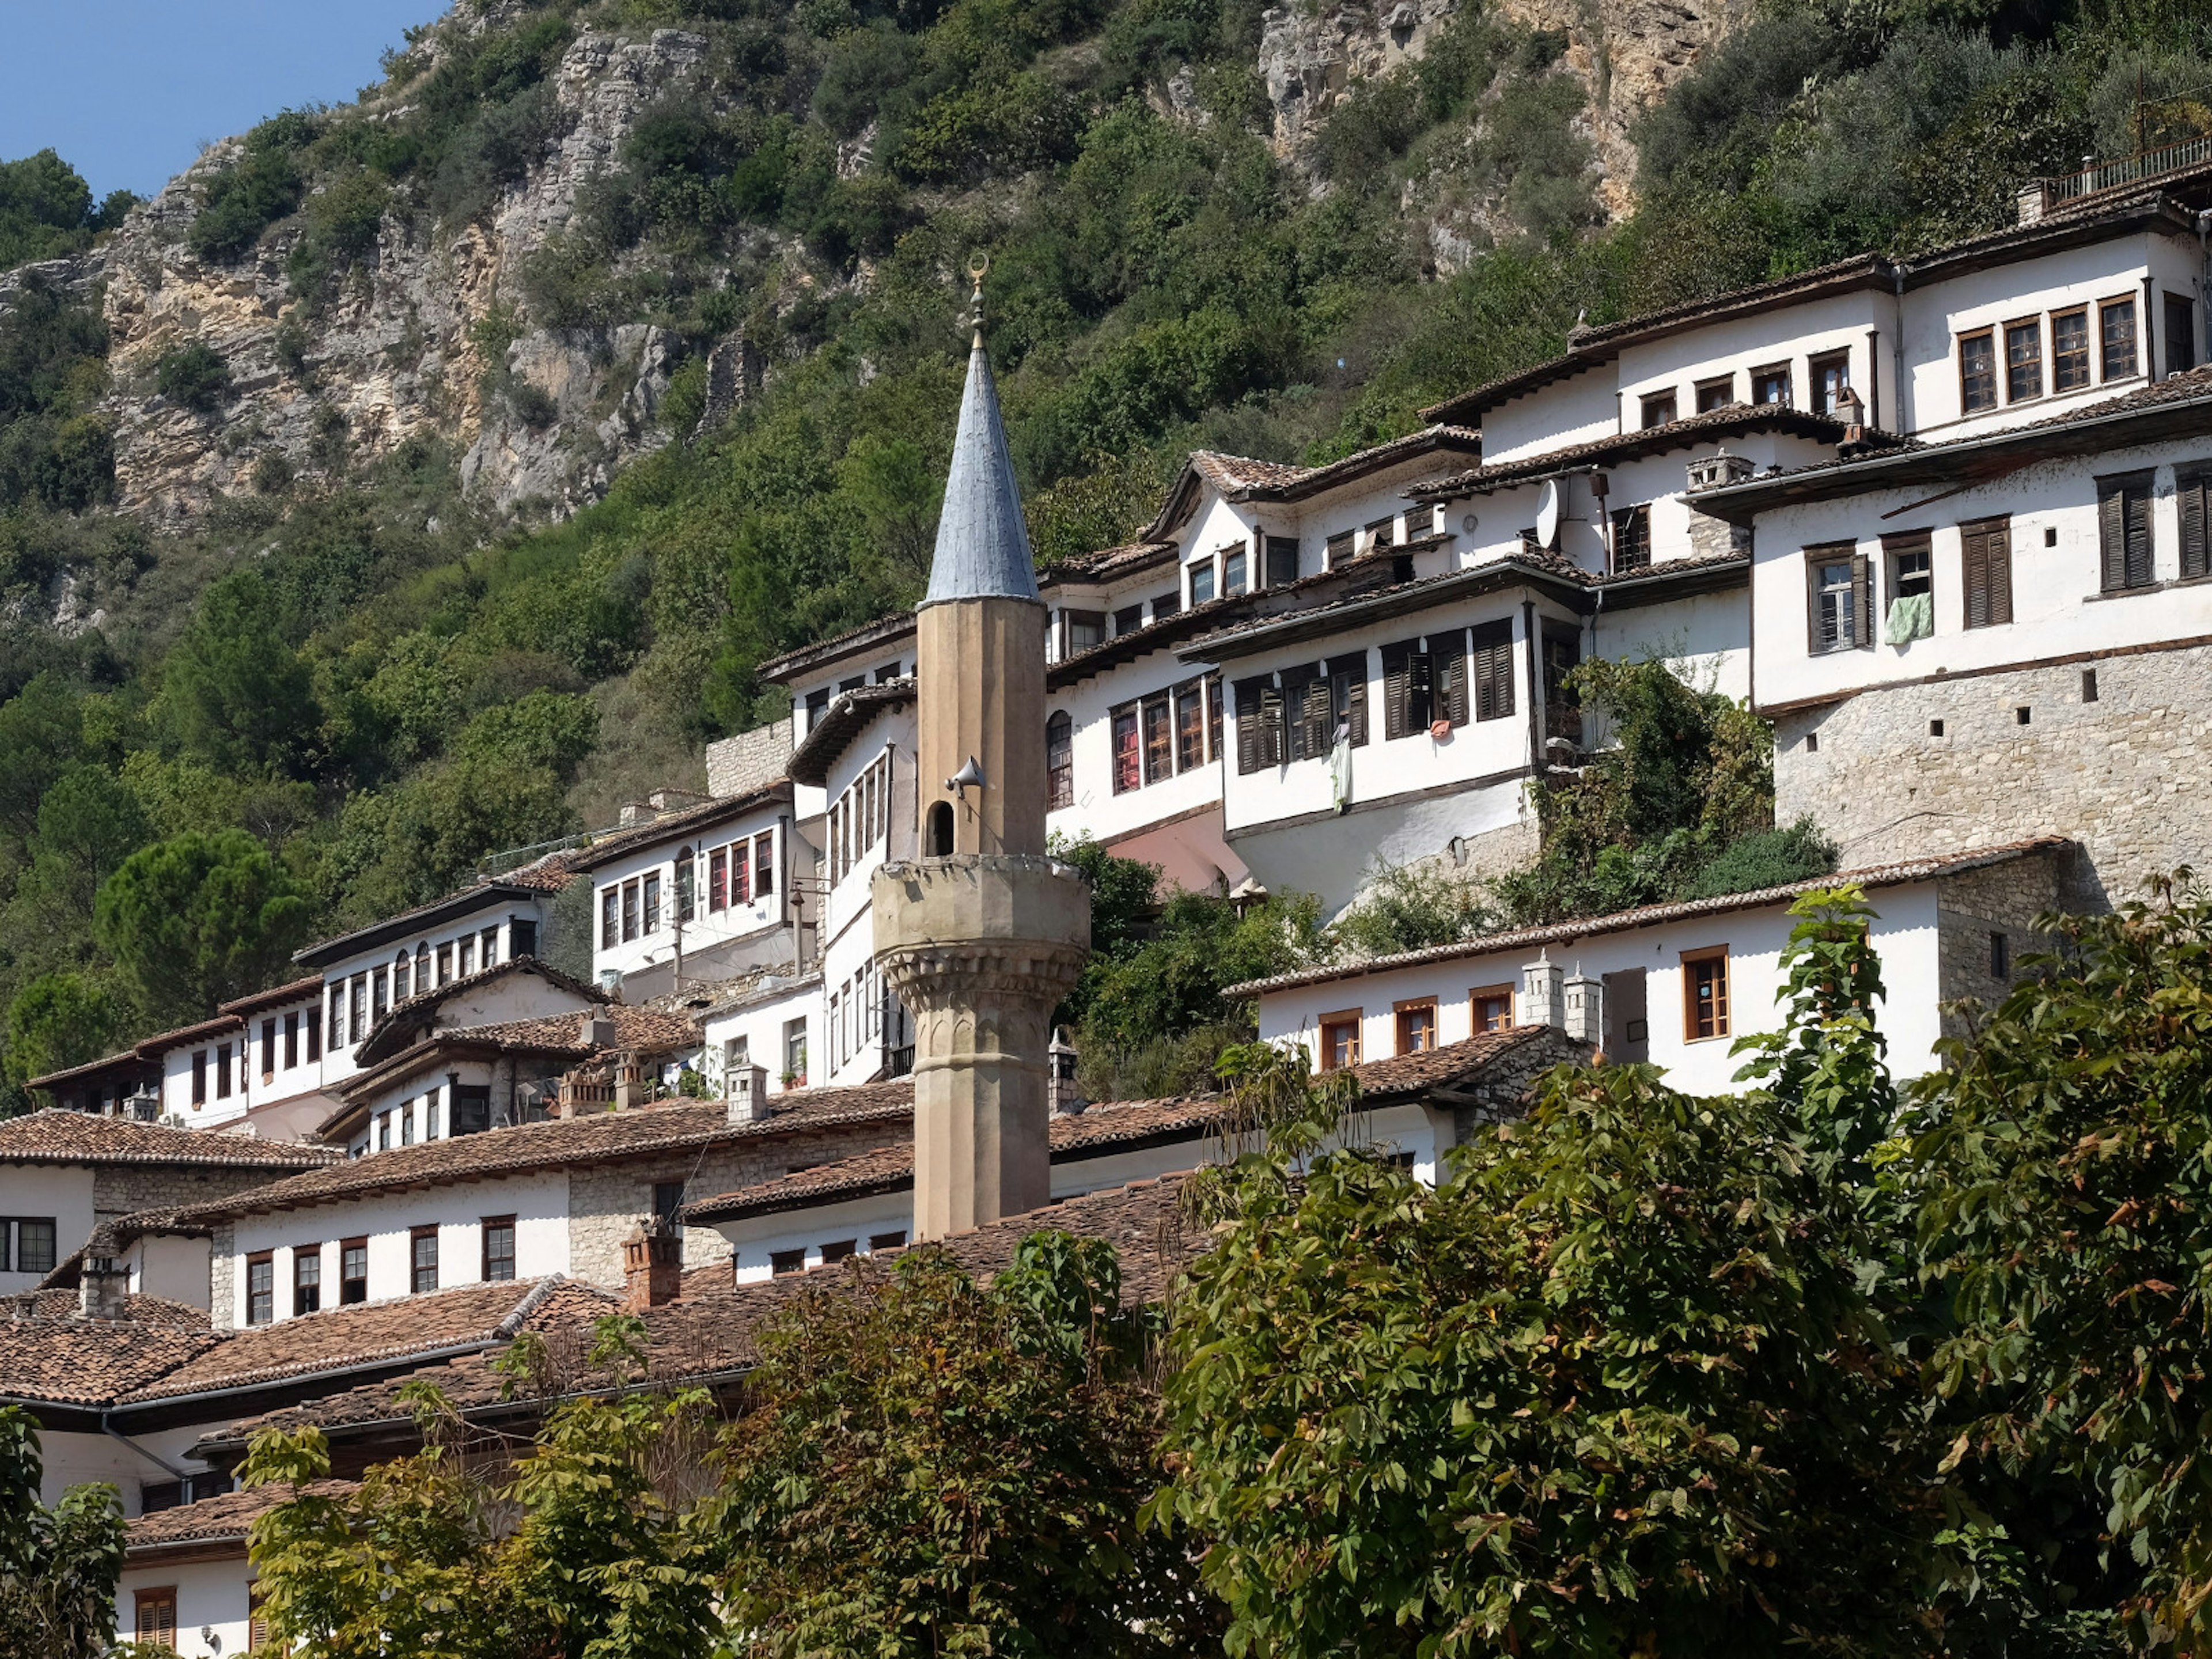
[395, 352]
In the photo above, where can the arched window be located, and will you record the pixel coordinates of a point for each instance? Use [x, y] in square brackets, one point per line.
[402, 980]
[1059, 760]
[940, 830]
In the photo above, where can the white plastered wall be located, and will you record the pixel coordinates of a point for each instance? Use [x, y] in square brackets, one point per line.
[61, 1193]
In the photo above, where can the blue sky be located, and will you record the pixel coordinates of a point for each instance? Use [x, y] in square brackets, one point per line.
[129, 90]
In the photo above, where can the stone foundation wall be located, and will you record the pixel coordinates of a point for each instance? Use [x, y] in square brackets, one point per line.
[751, 760]
[608, 1203]
[1969, 909]
[1502, 1090]
[2129, 775]
[222, 1284]
[120, 1189]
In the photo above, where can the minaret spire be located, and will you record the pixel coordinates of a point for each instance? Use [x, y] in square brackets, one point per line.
[982, 545]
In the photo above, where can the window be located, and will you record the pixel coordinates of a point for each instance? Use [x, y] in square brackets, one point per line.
[1836, 596]
[1166, 605]
[2191, 485]
[1910, 576]
[260, 1288]
[1129, 762]
[1259, 725]
[498, 1248]
[1658, 410]
[35, 1237]
[1717, 394]
[784, 1263]
[445, 964]
[407, 1123]
[384, 1131]
[1986, 561]
[741, 872]
[1416, 1026]
[156, 1616]
[794, 1050]
[1491, 661]
[667, 1199]
[2180, 334]
[718, 878]
[609, 918]
[199, 1072]
[378, 984]
[1705, 993]
[1213, 715]
[2124, 531]
[1081, 630]
[652, 924]
[890, 671]
[1059, 760]
[489, 939]
[1159, 739]
[1128, 619]
[1408, 689]
[357, 1007]
[687, 892]
[221, 1071]
[1338, 549]
[2000, 957]
[403, 978]
[1631, 539]
[886, 1240]
[338, 1016]
[1305, 698]
[818, 705]
[1340, 1041]
[1832, 378]
[1347, 699]
[1190, 726]
[2069, 350]
[1282, 561]
[306, 1279]
[1233, 565]
[421, 968]
[1201, 581]
[1771, 386]
[292, 1040]
[1977, 372]
[464, 951]
[352, 1272]
[1491, 1007]
[256, 1623]
[314, 1030]
[1381, 533]
[268, 1050]
[841, 1250]
[2023, 361]
[630, 896]
[422, 1259]
[763, 870]
[2116, 322]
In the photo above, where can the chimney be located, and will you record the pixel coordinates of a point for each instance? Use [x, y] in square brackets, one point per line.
[2034, 200]
[745, 1089]
[652, 1266]
[1852, 409]
[103, 1282]
[1066, 1099]
[1540, 996]
[597, 1031]
[1585, 1009]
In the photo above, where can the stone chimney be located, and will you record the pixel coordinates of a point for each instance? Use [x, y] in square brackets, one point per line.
[2034, 200]
[983, 935]
[104, 1280]
[597, 1031]
[1585, 1008]
[1542, 1001]
[745, 1090]
[1066, 1099]
[652, 1266]
[1851, 408]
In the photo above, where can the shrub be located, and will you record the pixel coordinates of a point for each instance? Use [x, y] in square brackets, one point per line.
[1411, 907]
[194, 376]
[248, 195]
[1767, 858]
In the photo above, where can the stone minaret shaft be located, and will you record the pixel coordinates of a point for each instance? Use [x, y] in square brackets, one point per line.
[984, 935]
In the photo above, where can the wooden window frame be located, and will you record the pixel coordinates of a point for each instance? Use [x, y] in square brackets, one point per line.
[1492, 668]
[2178, 306]
[1724, 385]
[415, 1237]
[345, 1246]
[1985, 572]
[1817, 557]
[266, 1261]
[2010, 329]
[1814, 367]
[1723, 1012]
[2192, 512]
[1236, 571]
[1201, 575]
[1131, 778]
[1155, 737]
[155, 1595]
[1355, 1017]
[1261, 737]
[1189, 703]
[1059, 759]
[1279, 553]
[1967, 405]
[2087, 353]
[1399, 1012]
[1408, 689]
[1665, 404]
[2127, 303]
[302, 1256]
[2115, 571]
[763, 866]
[1477, 996]
[485, 1228]
[781, 1266]
[1631, 537]
[718, 880]
[1765, 371]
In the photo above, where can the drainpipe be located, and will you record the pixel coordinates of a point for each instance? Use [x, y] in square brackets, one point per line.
[1535, 689]
[2204, 275]
[1904, 420]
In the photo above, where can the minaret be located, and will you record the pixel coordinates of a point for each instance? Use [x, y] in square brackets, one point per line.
[983, 935]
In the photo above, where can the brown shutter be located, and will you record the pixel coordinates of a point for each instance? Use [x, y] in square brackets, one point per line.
[2139, 544]
[1249, 717]
[1861, 600]
[1996, 552]
[2188, 498]
[1492, 658]
[1813, 643]
[1352, 670]
[1974, 557]
[1447, 668]
[1397, 689]
[2113, 534]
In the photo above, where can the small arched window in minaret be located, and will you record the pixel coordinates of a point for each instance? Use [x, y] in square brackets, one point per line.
[940, 830]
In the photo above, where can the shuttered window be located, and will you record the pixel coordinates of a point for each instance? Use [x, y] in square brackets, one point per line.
[1305, 694]
[1985, 557]
[1448, 675]
[1837, 598]
[1492, 659]
[1407, 690]
[1259, 725]
[2124, 531]
[1347, 698]
[2190, 487]
[157, 1618]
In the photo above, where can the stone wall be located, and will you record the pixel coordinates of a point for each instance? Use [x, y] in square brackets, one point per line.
[1970, 908]
[2127, 775]
[1502, 1090]
[120, 1189]
[749, 761]
[608, 1203]
[223, 1282]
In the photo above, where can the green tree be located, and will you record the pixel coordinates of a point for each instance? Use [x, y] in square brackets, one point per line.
[194, 375]
[232, 691]
[926, 1467]
[198, 918]
[40, 731]
[57, 1566]
[89, 821]
[1612, 1386]
[58, 1020]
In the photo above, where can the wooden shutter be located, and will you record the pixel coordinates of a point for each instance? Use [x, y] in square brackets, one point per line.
[2189, 488]
[1448, 669]
[2124, 531]
[1306, 696]
[1249, 715]
[1492, 664]
[1814, 644]
[1996, 555]
[1397, 689]
[1352, 670]
[1974, 558]
[157, 1618]
[1862, 601]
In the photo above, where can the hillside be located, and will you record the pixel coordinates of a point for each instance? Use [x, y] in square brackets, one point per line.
[417, 479]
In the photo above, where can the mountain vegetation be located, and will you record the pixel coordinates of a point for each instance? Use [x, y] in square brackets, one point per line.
[383, 683]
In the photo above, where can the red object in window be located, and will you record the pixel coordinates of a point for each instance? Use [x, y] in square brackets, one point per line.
[741, 872]
[718, 880]
[1441, 731]
[1128, 757]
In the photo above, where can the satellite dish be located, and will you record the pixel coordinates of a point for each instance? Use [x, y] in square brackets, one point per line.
[1547, 514]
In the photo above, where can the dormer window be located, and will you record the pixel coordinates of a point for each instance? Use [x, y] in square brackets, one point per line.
[1233, 578]
[1080, 631]
[1771, 386]
[1201, 582]
[1716, 394]
[1832, 378]
[1659, 409]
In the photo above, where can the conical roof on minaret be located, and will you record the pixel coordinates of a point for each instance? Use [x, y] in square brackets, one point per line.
[982, 545]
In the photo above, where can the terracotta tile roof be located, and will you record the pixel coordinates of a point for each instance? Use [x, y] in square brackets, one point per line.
[1240, 479]
[1232, 473]
[882, 630]
[73, 1361]
[890, 1168]
[461, 901]
[377, 1333]
[1108, 564]
[848, 716]
[275, 997]
[1895, 874]
[222, 1518]
[413, 1016]
[1381, 1081]
[130, 1059]
[154, 1312]
[709, 1331]
[1729, 419]
[614, 844]
[562, 1142]
[649, 1031]
[548, 874]
[56, 1137]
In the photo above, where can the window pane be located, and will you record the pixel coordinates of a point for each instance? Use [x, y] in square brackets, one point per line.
[1127, 774]
[2069, 351]
[1977, 373]
[34, 1247]
[2119, 321]
[2023, 361]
